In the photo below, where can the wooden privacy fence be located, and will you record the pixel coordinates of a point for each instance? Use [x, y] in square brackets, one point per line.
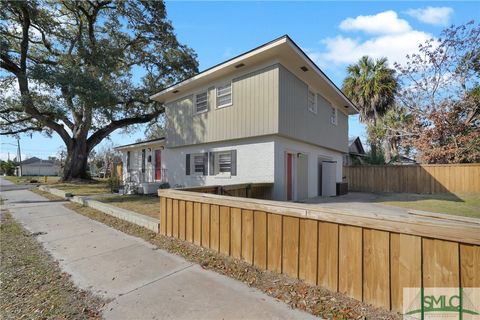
[369, 257]
[428, 178]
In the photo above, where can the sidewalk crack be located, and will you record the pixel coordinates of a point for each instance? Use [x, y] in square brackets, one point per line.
[159, 279]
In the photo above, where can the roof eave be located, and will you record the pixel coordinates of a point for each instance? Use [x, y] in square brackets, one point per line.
[237, 59]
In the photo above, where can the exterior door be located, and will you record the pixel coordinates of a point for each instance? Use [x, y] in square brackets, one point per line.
[289, 176]
[329, 173]
[302, 177]
[158, 164]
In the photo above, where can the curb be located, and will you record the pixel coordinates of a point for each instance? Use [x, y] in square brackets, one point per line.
[123, 214]
[56, 192]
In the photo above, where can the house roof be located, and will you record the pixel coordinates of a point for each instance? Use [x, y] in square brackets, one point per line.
[355, 147]
[141, 143]
[31, 160]
[38, 161]
[283, 49]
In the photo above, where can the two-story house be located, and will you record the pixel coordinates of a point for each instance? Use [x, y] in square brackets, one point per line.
[269, 115]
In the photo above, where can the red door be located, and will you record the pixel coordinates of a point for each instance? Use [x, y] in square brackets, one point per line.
[289, 176]
[158, 164]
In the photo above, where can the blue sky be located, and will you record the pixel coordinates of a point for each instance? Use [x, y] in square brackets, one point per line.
[334, 34]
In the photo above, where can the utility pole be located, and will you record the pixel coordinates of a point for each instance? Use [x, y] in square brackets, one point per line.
[19, 155]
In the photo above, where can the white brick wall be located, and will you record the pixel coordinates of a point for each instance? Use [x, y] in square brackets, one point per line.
[255, 162]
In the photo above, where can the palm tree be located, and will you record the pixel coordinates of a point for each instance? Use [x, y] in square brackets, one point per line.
[372, 86]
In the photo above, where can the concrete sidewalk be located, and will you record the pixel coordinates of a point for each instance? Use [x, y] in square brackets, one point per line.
[141, 281]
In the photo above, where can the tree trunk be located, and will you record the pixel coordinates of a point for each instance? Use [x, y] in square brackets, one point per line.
[387, 150]
[373, 150]
[76, 164]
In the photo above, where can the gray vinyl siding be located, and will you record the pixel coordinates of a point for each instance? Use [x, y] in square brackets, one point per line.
[296, 121]
[254, 112]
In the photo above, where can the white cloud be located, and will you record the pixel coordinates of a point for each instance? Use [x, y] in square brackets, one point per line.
[391, 37]
[439, 16]
[386, 22]
[343, 50]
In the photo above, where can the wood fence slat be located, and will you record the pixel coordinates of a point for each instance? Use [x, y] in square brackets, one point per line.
[260, 239]
[291, 243]
[328, 255]
[214, 227]
[350, 261]
[225, 230]
[169, 217]
[376, 267]
[175, 218]
[189, 221]
[205, 225]
[247, 236]
[274, 243]
[181, 219]
[406, 266]
[470, 265]
[163, 216]
[308, 259]
[197, 223]
[470, 274]
[236, 232]
[440, 263]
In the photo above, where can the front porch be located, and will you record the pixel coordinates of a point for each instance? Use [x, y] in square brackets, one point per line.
[142, 167]
[137, 181]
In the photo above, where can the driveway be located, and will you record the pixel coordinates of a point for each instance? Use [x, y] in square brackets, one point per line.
[140, 281]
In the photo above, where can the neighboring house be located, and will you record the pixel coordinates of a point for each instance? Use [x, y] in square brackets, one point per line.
[402, 160]
[142, 165]
[356, 152]
[38, 167]
[267, 116]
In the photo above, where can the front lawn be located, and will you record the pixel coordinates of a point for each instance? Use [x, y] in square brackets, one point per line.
[81, 188]
[466, 204]
[27, 179]
[89, 188]
[144, 204]
[32, 286]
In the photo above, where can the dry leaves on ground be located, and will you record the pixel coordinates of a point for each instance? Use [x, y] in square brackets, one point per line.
[32, 285]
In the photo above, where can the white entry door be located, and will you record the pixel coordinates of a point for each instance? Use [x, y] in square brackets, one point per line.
[329, 180]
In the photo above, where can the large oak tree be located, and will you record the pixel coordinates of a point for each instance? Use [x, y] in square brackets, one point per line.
[83, 69]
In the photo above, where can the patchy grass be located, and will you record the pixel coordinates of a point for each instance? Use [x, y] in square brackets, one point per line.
[27, 179]
[294, 292]
[148, 205]
[84, 188]
[32, 284]
[465, 204]
[80, 188]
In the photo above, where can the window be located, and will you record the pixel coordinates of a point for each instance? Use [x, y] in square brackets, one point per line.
[224, 162]
[312, 101]
[201, 102]
[199, 164]
[333, 117]
[224, 95]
